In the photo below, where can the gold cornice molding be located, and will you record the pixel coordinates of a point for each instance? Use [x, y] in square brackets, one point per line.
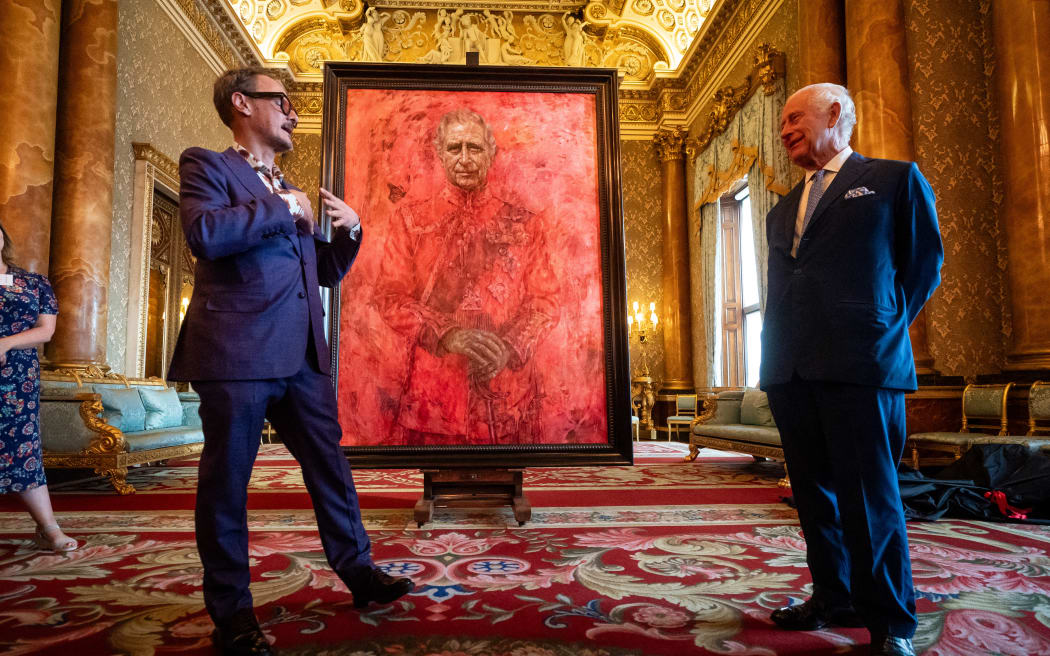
[163, 163]
[716, 50]
[201, 30]
[726, 52]
[768, 67]
[238, 39]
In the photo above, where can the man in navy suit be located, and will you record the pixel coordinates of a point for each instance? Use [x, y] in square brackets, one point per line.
[854, 253]
[253, 345]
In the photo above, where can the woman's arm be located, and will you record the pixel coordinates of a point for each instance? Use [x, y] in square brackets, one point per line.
[38, 334]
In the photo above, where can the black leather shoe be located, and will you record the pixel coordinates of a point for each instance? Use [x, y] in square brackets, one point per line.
[240, 635]
[891, 646]
[380, 587]
[811, 615]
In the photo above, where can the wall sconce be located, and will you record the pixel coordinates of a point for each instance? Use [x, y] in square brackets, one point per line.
[641, 326]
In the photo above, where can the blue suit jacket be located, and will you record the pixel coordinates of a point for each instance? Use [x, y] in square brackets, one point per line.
[256, 305]
[840, 311]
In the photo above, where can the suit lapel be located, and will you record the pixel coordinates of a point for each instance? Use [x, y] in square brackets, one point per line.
[249, 179]
[851, 169]
[296, 238]
[784, 225]
[244, 173]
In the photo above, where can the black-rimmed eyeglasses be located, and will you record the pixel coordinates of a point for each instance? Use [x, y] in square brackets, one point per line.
[283, 102]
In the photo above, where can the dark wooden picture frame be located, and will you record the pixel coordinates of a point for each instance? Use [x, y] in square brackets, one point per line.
[594, 89]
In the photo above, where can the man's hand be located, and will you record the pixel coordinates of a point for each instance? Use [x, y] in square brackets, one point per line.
[306, 222]
[487, 352]
[343, 216]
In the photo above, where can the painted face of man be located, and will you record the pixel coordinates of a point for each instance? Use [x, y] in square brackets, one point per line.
[807, 131]
[466, 155]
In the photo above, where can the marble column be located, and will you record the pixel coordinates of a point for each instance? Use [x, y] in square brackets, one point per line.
[1024, 108]
[821, 42]
[877, 71]
[29, 59]
[83, 200]
[676, 320]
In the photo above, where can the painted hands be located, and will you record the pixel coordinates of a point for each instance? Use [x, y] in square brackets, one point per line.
[487, 352]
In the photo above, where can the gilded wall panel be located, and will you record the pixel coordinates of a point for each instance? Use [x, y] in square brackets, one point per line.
[302, 166]
[163, 98]
[956, 131]
[643, 244]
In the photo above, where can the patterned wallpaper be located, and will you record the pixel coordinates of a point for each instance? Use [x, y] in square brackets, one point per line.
[955, 120]
[163, 98]
[781, 32]
[643, 244]
[302, 166]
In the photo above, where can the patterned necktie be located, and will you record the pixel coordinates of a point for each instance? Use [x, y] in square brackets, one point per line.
[815, 192]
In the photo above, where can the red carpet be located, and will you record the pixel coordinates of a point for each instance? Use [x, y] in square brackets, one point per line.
[662, 558]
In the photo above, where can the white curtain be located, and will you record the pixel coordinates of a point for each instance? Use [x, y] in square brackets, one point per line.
[710, 247]
[769, 175]
[750, 146]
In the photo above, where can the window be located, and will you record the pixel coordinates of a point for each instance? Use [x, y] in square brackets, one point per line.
[741, 316]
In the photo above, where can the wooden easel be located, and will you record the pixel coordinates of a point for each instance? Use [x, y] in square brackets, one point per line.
[472, 488]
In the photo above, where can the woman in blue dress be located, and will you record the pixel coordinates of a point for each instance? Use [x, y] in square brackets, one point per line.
[27, 318]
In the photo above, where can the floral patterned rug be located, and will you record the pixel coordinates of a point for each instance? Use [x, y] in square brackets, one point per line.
[665, 558]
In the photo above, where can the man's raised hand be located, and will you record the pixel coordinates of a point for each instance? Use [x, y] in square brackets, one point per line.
[342, 215]
[305, 222]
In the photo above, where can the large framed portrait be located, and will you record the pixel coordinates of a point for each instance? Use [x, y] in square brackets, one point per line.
[484, 320]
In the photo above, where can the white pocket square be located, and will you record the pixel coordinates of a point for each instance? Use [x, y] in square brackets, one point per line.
[858, 191]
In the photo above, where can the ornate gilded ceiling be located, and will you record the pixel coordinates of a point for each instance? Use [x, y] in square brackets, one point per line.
[672, 52]
[643, 38]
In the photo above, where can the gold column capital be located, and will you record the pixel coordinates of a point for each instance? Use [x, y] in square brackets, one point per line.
[670, 143]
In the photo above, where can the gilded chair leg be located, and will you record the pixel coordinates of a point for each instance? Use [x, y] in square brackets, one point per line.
[118, 477]
[914, 457]
[694, 451]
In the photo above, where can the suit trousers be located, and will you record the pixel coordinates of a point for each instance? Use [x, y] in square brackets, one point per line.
[302, 409]
[842, 444]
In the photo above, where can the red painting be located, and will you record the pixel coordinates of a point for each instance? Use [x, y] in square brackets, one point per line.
[474, 312]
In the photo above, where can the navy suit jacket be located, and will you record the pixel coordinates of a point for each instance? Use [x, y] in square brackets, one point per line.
[256, 304]
[840, 311]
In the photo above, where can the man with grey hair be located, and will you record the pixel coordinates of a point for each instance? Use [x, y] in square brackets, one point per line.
[476, 301]
[854, 253]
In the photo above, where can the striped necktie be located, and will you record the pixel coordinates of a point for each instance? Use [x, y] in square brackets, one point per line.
[816, 191]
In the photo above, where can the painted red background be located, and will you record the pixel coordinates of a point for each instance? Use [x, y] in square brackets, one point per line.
[547, 163]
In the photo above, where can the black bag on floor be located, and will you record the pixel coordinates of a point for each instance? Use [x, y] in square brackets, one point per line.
[993, 482]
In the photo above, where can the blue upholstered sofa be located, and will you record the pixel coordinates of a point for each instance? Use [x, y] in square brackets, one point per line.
[109, 422]
[737, 420]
